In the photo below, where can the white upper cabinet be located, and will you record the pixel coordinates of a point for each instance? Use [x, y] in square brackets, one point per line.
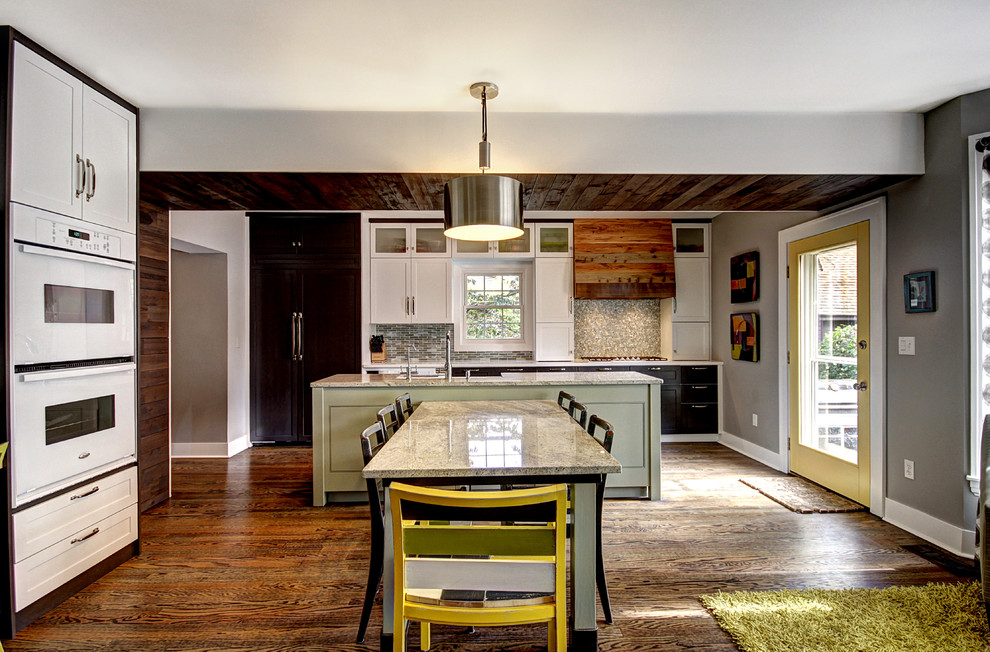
[73, 150]
[521, 247]
[691, 240]
[391, 240]
[693, 286]
[554, 289]
[555, 239]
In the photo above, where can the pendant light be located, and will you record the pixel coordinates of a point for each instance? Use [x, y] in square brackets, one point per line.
[483, 206]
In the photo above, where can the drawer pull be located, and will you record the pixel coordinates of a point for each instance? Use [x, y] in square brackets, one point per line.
[95, 531]
[699, 368]
[83, 456]
[88, 493]
[699, 386]
[700, 407]
[604, 369]
[655, 368]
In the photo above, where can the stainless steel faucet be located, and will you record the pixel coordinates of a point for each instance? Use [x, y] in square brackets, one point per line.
[408, 365]
[448, 371]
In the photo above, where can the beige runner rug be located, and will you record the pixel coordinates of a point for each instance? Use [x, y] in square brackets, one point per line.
[800, 495]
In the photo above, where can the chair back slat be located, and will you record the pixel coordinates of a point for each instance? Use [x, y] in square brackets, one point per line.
[564, 399]
[403, 407]
[480, 574]
[428, 539]
[598, 423]
[389, 420]
[579, 413]
[372, 439]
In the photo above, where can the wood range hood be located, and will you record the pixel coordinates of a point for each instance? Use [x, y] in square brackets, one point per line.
[623, 259]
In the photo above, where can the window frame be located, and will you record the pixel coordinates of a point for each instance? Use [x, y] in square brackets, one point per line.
[474, 267]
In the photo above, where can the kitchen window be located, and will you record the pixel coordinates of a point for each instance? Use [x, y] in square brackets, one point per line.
[492, 307]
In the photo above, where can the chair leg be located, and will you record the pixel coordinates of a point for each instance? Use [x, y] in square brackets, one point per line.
[600, 570]
[374, 581]
[424, 635]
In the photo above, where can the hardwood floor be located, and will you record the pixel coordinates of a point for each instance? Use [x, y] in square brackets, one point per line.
[237, 559]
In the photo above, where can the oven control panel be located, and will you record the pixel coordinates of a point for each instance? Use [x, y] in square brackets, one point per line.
[90, 241]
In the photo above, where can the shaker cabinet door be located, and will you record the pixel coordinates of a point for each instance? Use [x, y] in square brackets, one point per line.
[273, 370]
[110, 154]
[390, 300]
[46, 135]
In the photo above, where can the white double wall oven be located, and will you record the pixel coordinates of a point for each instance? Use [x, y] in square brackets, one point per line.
[72, 330]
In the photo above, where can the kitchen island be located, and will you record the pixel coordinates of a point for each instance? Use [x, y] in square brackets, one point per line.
[345, 404]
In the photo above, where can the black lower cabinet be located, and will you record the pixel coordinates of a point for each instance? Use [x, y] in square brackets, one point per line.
[688, 398]
[305, 325]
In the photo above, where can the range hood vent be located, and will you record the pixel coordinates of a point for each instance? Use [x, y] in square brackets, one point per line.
[623, 259]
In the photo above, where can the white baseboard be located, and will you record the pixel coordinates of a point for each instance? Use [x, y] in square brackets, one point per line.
[954, 539]
[211, 449]
[664, 439]
[754, 451]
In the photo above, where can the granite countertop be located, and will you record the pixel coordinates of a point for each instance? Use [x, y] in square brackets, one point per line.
[509, 380]
[489, 439]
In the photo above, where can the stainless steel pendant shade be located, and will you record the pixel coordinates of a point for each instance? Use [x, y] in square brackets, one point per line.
[483, 207]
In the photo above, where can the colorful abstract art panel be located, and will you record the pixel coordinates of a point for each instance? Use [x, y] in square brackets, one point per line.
[744, 273]
[745, 336]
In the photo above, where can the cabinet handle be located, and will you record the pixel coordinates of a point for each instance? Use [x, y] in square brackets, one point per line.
[95, 531]
[655, 368]
[88, 493]
[414, 305]
[699, 386]
[92, 178]
[80, 176]
[300, 338]
[407, 305]
[604, 369]
[570, 305]
[83, 456]
[294, 337]
[699, 368]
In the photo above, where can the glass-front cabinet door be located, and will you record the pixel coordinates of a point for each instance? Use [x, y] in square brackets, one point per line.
[555, 239]
[389, 240]
[429, 240]
[521, 247]
[691, 239]
[472, 249]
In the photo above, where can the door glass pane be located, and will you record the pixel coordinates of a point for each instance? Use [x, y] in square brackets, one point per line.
[553, 239]
[70, 420]
[689, 240]
[65, 304]
[518, 245]
[389, 240]
[430, 240]
[831, 300]
[471, 246]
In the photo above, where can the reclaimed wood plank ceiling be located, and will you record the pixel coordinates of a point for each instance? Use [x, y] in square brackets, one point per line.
[354, 191]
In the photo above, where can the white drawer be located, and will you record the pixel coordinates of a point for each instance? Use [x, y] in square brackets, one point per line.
[49, 522]
[39, 574]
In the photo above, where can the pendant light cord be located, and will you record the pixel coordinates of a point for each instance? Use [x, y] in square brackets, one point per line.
[484, 116]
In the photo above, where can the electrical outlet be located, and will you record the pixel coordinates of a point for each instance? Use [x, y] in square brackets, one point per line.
[755, 420]
[909, 469]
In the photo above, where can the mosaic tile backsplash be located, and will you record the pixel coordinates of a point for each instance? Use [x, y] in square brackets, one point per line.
[603, 327]
[426, 342]
[616, 327]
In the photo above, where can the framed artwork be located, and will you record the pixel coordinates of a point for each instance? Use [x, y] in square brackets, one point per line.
[919, 292]
[745, 336]
[744, 273]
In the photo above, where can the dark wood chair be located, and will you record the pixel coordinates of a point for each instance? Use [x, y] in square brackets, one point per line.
[578, 412]
[605, 439]
[372, 439]
[403, 407]
[563, 397]
[388, 417]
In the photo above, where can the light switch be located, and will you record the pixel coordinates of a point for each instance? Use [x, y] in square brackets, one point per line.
[905, 346]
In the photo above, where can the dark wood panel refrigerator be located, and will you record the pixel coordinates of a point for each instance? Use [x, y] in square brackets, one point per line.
[305, 316]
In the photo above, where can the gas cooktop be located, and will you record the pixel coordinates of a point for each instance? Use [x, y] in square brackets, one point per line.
[621, 358]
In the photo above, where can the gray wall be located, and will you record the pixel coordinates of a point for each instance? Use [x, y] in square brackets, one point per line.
[199, 348]
[928, 395]
[749, 387]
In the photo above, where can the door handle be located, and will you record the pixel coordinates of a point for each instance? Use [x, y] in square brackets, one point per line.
[69, 255]
[300, 337]
[295, 337]
[91, 190]
[860, 386]
[75, 372]
[80, 176]
[414, 306]
[407, 305]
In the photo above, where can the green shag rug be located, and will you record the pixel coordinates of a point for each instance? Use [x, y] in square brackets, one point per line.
[935, 617]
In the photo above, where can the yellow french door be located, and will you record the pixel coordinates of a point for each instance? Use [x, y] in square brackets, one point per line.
[829, 354]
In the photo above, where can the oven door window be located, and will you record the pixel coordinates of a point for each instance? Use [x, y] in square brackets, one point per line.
[78, 418]
[65, 304]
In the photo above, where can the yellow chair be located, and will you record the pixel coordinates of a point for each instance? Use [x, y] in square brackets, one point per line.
[451, 548]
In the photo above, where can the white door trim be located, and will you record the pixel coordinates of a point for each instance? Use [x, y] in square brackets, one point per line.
[874, 211]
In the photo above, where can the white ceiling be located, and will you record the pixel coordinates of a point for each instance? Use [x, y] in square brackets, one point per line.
[615, 56]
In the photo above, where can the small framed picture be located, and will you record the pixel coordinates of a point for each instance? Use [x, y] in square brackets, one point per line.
[745, 336]
[919, 292]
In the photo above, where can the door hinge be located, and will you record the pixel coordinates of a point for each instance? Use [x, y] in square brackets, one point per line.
[788, 271]
[788, 357]
[788, 443]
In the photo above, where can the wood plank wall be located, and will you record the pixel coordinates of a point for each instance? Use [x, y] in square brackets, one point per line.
[153, 373]
[623, 259]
